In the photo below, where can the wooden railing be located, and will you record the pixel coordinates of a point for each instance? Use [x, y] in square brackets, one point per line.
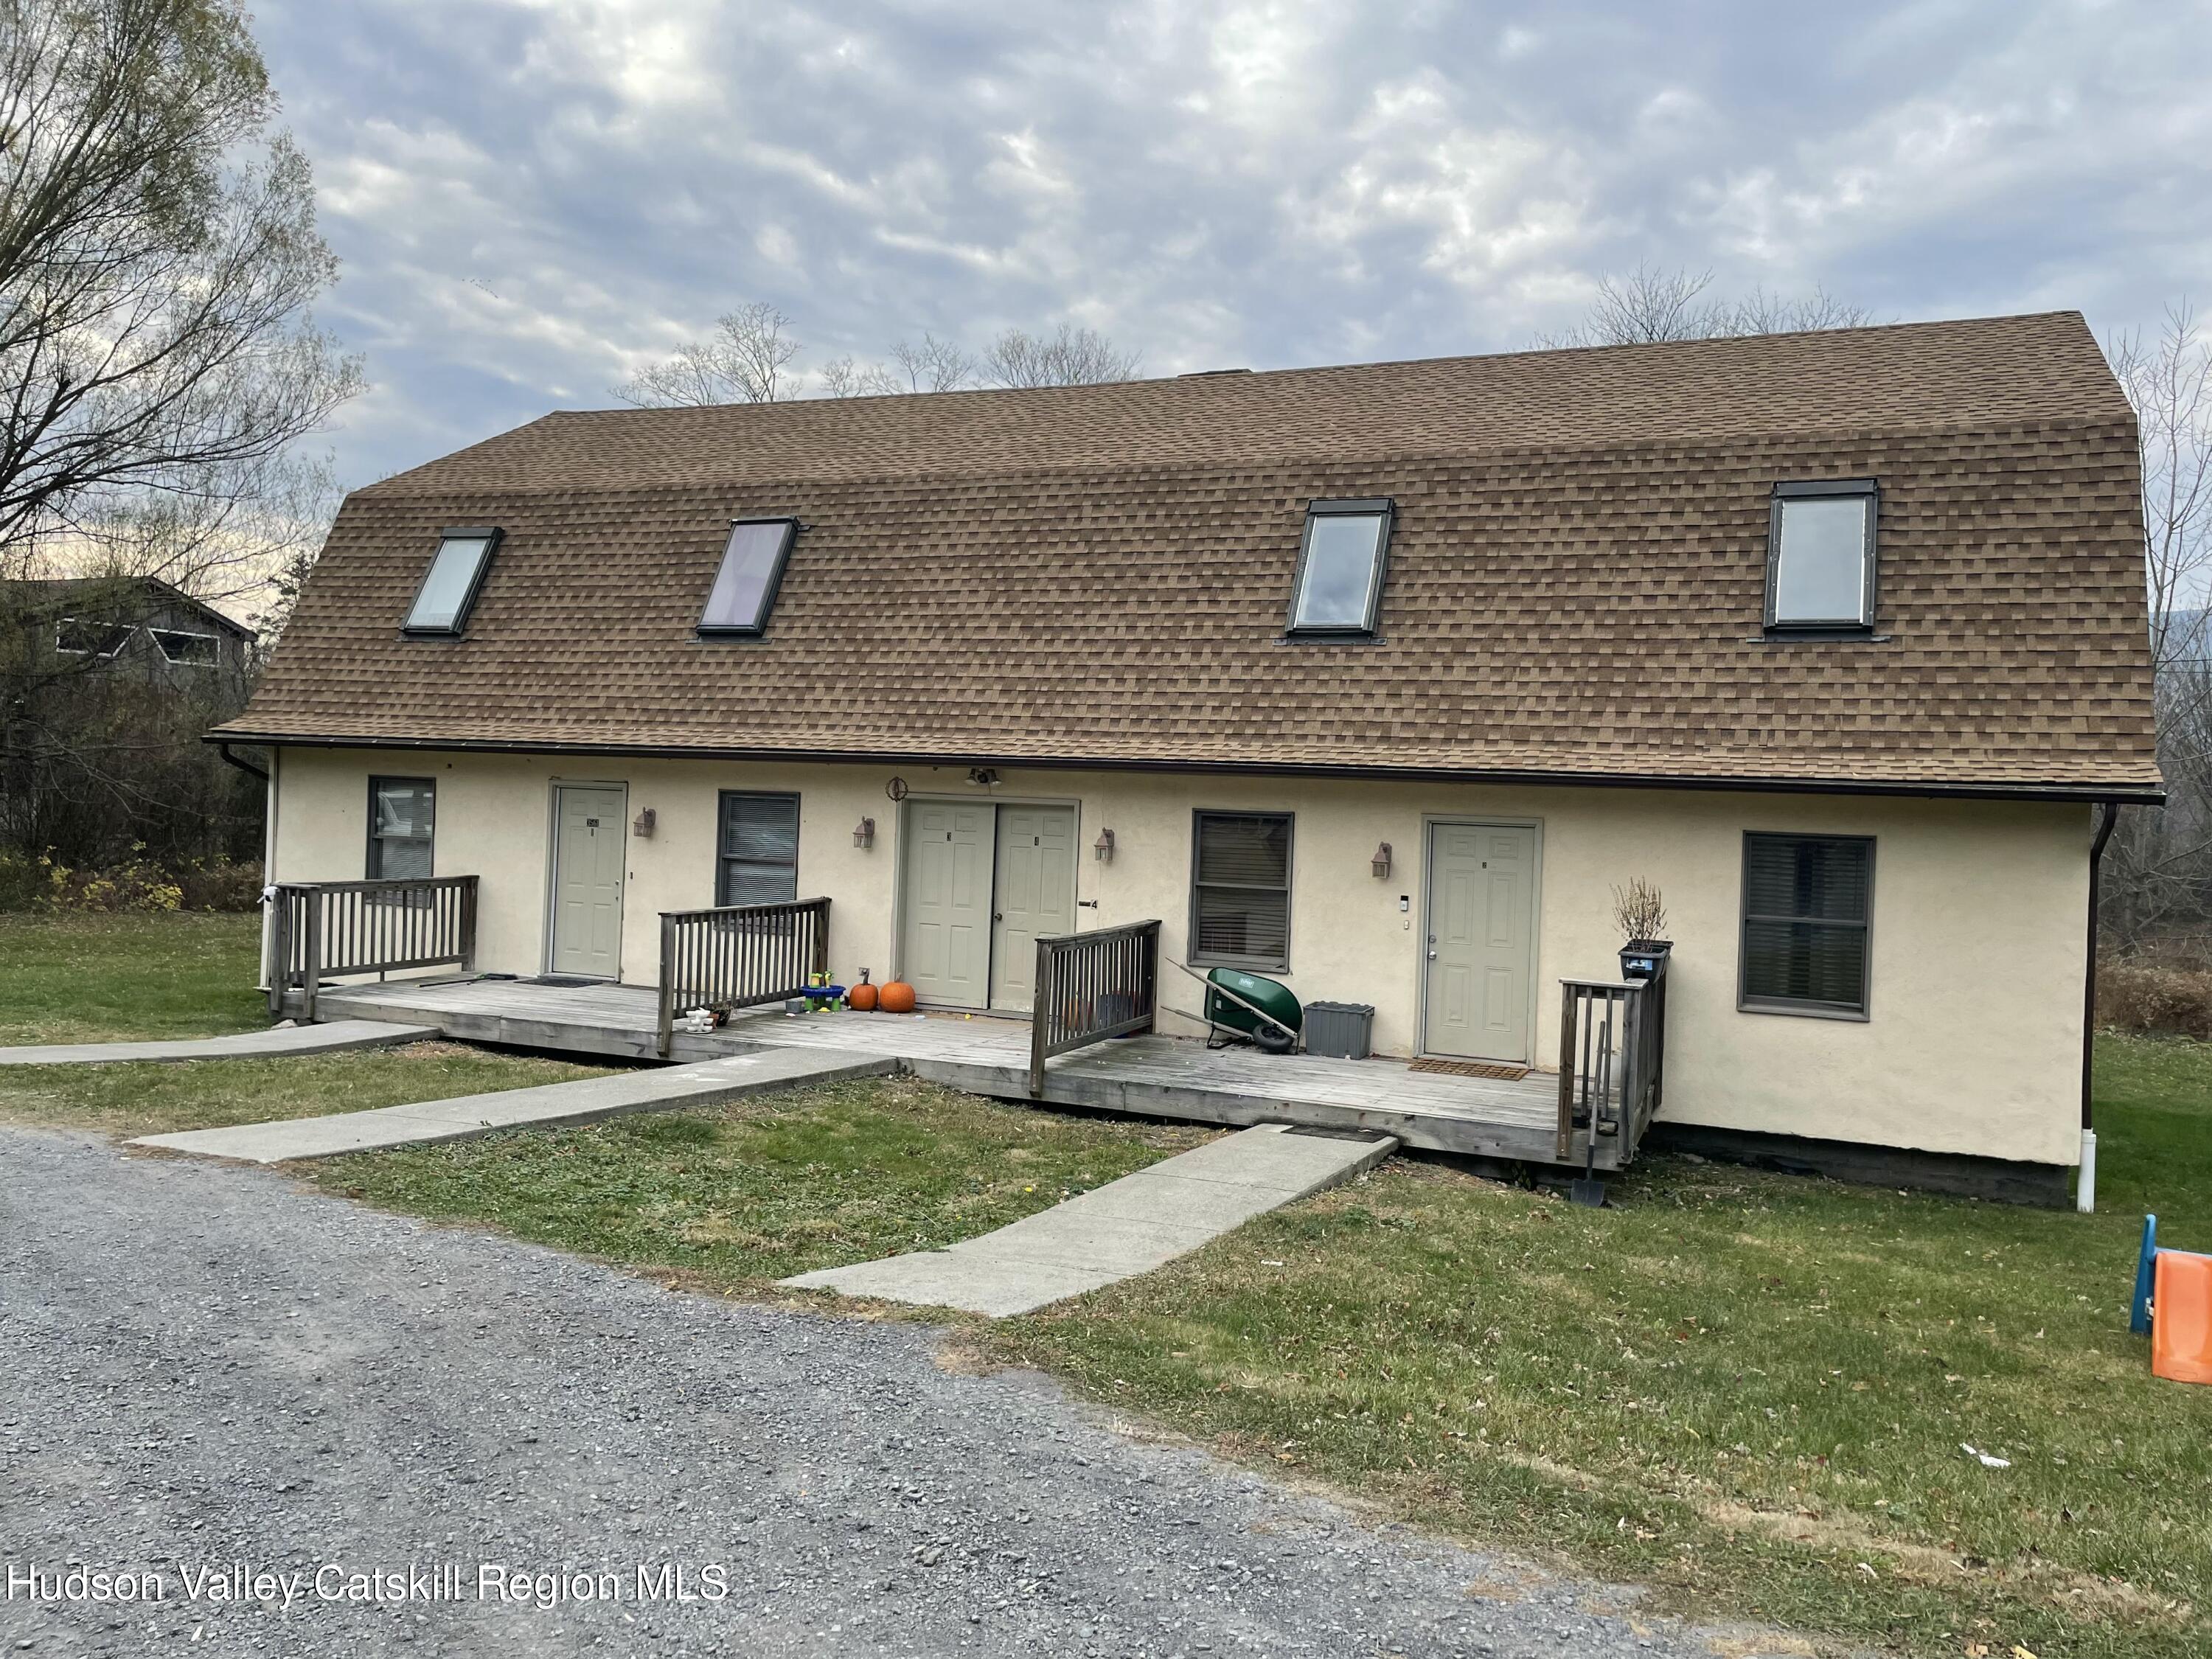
[327, 928]
[738, 955]
[1091, 987]
[1613, 1061]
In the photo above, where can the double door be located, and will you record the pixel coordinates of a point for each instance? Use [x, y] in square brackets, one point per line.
[982, 881]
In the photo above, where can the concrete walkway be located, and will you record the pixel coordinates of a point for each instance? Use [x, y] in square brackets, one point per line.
[581, 1102]
[334, 1038]
[1116, 1231]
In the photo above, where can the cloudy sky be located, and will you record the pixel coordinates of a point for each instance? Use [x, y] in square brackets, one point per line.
[533, 198]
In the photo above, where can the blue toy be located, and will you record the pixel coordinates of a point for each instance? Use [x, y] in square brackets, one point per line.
[2139, 1314]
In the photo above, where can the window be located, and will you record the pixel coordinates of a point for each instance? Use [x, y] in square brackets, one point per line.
[1340, 584]
[402, 813]
[1240, 895]
[759, 849]
[185, 650]
[752, 567]
[74, 636]
[441, 605]
[1807, 900]
[1820, 558]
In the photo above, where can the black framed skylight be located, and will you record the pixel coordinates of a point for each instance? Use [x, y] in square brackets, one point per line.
[449, 587]
[1339, 590]
[743, 593]
[1821, 556]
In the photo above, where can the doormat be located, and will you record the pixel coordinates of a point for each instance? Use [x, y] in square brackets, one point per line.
[1471, 1068]
[566, 981]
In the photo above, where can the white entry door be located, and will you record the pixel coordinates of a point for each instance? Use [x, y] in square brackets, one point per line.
[1481, 916]
[1036, 886]
[588, 856]
[946, 934]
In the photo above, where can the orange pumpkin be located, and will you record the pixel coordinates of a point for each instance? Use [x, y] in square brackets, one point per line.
[898, 998]
[862, 996]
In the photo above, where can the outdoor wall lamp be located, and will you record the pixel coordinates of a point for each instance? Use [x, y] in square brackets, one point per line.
[983, 776]
[864, 833]
[1380, 864]
[642, 825]
[1103, 849]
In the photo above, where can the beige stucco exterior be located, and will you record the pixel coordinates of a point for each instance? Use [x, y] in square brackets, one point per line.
[1972, 1045]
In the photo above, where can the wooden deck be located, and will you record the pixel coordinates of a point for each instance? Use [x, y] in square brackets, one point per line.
[1153, 1075]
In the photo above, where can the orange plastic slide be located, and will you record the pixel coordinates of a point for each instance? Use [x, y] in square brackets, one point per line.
[2181, 1317]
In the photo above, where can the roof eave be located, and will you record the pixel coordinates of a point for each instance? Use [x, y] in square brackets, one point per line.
[2136, 794]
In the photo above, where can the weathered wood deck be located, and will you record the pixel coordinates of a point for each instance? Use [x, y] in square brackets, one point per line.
[1153, 1075]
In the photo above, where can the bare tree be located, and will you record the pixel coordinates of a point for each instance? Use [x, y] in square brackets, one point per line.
[846, 377]
[2168, 378]
[1072, 357]
[935, 365]
[158, 364]
[1655, 303]
[158, 257]
[750, 356]
[2159, 876]
[747, 361]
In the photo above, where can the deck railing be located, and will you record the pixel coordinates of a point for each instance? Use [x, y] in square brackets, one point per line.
[738, 955]
[1613, 1061]
[327, 928]
[1091, 987]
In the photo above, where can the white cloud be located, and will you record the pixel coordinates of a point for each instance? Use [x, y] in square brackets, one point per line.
[533, 197]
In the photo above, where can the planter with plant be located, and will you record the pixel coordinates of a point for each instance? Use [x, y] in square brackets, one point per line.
[1641, 915]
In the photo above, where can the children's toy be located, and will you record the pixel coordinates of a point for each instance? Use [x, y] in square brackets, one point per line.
[2173, 1306]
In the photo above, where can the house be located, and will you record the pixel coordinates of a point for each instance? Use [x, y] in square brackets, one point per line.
[1375, 679]
[134, 624]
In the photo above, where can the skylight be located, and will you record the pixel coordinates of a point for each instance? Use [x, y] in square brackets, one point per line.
[1819, 568]
[442, 605]
[1339, 583]
[752, 566]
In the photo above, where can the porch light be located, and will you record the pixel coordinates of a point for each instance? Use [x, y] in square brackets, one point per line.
[1380, 864]
[864, 833]
[642, 825]
[1103, 849]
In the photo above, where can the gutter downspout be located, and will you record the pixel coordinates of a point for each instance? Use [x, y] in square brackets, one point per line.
[240, 762]
[2085, 1186]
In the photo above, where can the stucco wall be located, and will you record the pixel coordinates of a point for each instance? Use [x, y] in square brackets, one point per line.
[1972, 1046]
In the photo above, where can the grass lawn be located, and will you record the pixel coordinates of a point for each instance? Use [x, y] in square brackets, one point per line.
[1748, 1390]
[87, 979]
[149, 1098]
[734, 1197]
[82, 979]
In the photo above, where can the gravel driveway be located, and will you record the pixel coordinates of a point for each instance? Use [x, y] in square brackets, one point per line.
[201, 1367]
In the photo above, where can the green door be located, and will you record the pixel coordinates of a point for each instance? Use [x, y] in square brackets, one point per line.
[588, 855]
[1479, 962]
[1036, 886]
[945, 933]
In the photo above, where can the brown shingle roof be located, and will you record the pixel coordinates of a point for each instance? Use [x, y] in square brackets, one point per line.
[1100, 575]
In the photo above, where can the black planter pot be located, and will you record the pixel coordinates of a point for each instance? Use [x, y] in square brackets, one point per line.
[1644, 958]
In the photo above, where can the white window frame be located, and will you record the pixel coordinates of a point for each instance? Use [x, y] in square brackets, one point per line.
[161, 636]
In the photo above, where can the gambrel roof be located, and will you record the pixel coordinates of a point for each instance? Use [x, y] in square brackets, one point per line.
[1098, 575]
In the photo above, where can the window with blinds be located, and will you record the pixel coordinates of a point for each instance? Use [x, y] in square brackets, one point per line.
[402, 821]
[1807, 901]
[759, 849]
[1240, 897]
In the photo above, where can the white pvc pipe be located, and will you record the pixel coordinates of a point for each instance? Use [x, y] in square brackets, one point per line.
[2085, 1187]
